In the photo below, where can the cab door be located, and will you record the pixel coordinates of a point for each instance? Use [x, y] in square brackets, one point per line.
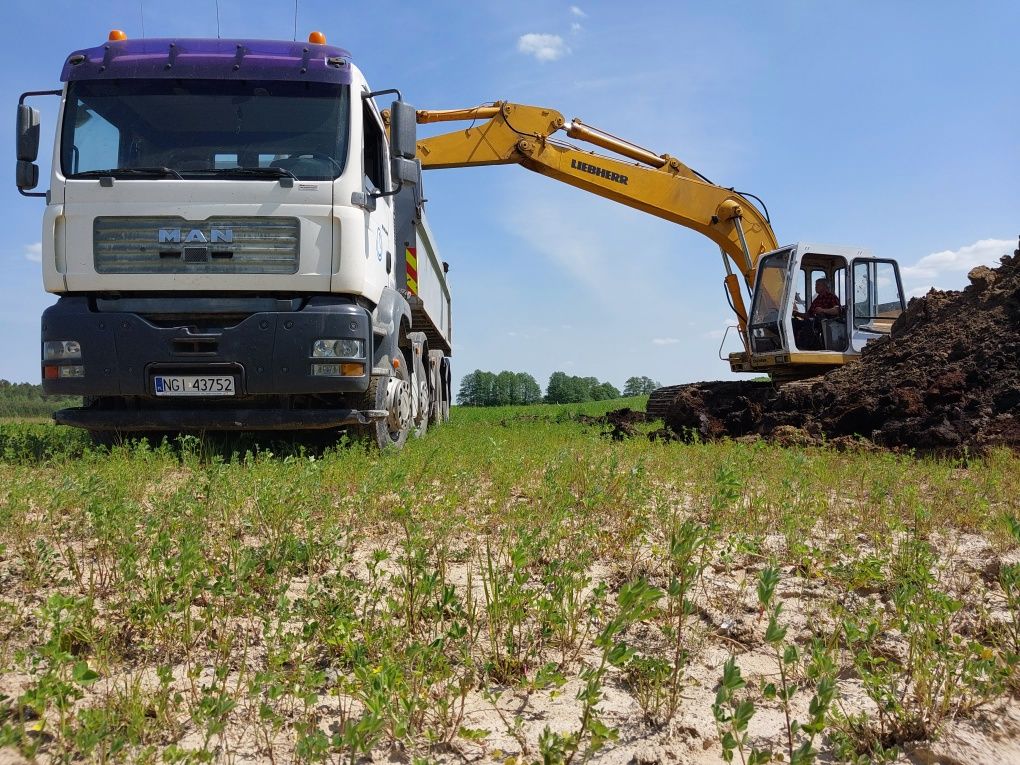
[769, 322]
[877, 299]
[379, 235]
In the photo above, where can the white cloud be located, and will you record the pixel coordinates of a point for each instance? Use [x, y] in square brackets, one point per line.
[557, 223]
[578, 12]
[665, 340]
[947, 269]
[718, 334]
[33, 252]
[575, 27]
[542, 47]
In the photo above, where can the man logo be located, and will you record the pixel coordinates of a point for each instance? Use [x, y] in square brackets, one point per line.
[173, 236]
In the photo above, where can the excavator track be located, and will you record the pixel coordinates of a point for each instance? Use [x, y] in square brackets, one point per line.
[661, 398]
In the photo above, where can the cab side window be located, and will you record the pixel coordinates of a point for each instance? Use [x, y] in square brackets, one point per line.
[375, 149]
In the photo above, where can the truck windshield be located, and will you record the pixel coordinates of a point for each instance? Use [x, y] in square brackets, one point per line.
[205, 129]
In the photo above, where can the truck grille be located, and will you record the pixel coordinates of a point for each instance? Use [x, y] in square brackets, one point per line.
[219, 245]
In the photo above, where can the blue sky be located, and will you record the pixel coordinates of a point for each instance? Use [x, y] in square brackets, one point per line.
[888, 125]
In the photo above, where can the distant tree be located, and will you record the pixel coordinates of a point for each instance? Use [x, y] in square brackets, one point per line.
[556, 392]
[28, 400]
[474, 388]
[639, 386]
[480, 388]
[466, 393]
[503, 389]
[568, 389]
[526, 389]
[604, 392]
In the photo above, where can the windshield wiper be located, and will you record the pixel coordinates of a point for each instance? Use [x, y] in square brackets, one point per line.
[285, 176]
[120, 172]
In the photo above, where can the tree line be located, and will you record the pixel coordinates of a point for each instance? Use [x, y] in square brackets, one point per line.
[480, 388]
[28, 400]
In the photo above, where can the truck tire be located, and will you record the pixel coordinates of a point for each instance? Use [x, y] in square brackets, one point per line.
[445, 375]
[101, 438]
[421, 425]
[436, 382]
[384, 393]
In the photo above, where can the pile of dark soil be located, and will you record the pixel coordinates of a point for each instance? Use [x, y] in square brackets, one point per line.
[946, 378]
[621, 422]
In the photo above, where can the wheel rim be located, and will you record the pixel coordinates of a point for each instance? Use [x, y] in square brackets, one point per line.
[423, 403]
[398, 406]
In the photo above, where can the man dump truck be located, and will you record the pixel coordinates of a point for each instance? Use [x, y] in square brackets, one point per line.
[238, 243]
[238, 237]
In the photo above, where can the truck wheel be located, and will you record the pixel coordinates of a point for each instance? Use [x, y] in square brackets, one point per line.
[107, 438]
[445, 374]
[421, 425]
[436, 382]
[393, 394]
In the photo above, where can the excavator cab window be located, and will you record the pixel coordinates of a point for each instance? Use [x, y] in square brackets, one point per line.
[834, 275]
[878, 295]
[766, 325]
[820, 332]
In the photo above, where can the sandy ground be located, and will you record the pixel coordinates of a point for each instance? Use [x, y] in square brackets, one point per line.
[727, 622]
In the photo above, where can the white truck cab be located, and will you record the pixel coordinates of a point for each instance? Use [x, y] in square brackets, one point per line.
[228, 226]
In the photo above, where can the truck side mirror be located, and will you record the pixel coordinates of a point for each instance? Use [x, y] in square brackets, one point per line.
[405, 170]
[27, 133]
[27, 175]
[403, 130]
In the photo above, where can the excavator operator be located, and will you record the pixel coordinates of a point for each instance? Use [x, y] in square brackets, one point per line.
[806, 326]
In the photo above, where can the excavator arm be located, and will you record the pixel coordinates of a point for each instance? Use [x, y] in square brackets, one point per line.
[507, 133]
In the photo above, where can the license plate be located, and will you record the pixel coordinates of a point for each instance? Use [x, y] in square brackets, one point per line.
[194, 385]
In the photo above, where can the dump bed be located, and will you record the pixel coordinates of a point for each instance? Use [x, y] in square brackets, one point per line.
[421, 273]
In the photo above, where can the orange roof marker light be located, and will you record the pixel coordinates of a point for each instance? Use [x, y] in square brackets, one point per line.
[317, 38]
[116, 35]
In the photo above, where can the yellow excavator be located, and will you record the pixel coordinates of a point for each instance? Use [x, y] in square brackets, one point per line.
[783, 335]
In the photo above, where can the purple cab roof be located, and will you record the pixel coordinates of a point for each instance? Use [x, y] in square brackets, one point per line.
[210, 59]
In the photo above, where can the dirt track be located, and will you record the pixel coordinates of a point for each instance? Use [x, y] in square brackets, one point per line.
[947, 378]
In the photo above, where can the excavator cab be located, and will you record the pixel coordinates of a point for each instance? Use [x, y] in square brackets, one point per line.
[789, 338]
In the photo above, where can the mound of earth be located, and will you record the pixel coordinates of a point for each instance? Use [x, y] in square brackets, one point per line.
[620, 422]
[946, 378]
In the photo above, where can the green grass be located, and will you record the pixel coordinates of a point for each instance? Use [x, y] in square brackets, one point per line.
[189, 601]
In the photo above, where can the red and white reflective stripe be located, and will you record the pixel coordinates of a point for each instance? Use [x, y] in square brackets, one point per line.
[411, 256]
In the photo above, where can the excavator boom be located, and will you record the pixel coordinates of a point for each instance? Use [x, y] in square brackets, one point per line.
[661, 185]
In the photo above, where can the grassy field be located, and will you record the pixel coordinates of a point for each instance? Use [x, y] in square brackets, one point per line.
[512, 588]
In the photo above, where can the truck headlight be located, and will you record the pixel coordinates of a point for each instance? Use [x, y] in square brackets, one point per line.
[345, 348]
[57, 350]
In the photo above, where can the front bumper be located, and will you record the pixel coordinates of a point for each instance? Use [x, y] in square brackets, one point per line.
[267, 352]
[214, 419]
